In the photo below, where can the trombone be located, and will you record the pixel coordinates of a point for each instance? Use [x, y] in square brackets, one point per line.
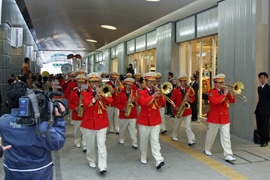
[237, 90]
[166, 88]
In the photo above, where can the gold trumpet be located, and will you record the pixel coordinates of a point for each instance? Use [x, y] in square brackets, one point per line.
[237, 90]
[166, 88]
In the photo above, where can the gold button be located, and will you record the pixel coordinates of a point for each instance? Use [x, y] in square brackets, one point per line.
[220, 113]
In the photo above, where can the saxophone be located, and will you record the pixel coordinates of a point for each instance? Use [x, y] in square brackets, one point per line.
[184, 105]
[81, 108]
[129, 106]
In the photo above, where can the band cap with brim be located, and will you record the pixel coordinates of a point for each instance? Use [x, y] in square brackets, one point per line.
[114, 74]
[94, 76]
[158, 75]
[183, 77]
[80, 78]
[104, 73]
[80, 72]
[129, 81]
[128, 75]
[138, 75]
[73, 74]
[219, 78]
[150, 76]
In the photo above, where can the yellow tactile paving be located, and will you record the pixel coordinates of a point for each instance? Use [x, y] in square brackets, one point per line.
[224, 170]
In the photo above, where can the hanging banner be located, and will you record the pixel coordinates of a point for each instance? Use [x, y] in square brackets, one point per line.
[16, 37]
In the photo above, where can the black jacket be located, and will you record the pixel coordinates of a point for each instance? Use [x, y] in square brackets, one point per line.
[1, 151]
[195, 87]
[263, 106]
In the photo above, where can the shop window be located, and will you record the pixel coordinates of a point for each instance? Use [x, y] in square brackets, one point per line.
[114, 65]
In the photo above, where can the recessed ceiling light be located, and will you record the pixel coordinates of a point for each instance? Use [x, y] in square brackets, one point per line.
[153, 0]
[108, 27]
[81, 47]
[91, 40]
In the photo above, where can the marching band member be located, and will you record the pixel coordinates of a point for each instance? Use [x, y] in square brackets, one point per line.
[75, 100]
[103, 75]
[162, 108]
[137, 85]
[177, 97]
[95, 122]
[149, 120]
[218, 117]
[128, 75]
[127, 96]
[113, 113]
[71, 85]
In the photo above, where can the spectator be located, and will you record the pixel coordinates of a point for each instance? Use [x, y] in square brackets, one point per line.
[130, 69]
[26, 67]
[193, 105]
[46, 85]
[10, 81]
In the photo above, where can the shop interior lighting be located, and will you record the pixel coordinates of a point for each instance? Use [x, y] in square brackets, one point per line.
[91, 40]
[108, 27]
[153, 0]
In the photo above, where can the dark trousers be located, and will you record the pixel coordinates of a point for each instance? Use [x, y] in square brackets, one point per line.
[263, 127]
[194, 111]
[168, 105]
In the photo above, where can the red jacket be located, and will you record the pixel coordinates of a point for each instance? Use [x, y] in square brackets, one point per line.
[73, 102]
[122, 103]
[95, 117]
[71, 85]
[219, 105]
[149, 115]
[177, 98]
[135, 87]
[115, 95]
[163, 104]
[64, 85]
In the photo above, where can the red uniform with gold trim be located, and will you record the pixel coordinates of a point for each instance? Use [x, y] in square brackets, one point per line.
[64, 85]
[149, 115]
[122, 103]
[115, 95]
[95, 117]
[135, 87]
[219, 105]
[177, 98]
[73, 102]
[163, 104]
[71, 85]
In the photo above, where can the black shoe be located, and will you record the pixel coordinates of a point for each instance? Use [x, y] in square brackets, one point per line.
[191, 144]
[134, 147]
[117, 133]
[172, 116]
[264, 144]
[163, 132]
[103, 171]
[194, 119]
[84, 151]
[160, 165]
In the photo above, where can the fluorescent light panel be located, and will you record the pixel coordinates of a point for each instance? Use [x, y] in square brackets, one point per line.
[108, 27]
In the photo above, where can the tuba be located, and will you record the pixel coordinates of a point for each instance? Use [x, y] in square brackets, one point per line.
[237, 90]
[166, 88]
[184, 105]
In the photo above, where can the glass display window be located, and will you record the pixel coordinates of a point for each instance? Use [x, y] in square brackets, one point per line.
[114, 65]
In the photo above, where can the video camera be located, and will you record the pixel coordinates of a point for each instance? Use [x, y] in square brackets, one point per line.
[37, 106]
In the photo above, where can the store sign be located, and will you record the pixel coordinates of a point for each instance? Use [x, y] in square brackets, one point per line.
[57, 65]
[16, 37]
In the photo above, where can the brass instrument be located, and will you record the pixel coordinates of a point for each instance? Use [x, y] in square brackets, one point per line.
[184, 105]
[105, 91]
[166, 88]
[129, 105]
[81, 107]
[237, 90]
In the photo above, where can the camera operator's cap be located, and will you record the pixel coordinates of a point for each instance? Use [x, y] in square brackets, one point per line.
[114, 74]
[150, 76]
[94, 76]
[73, 74]
[129, 81]
[138, 75]
[128, 75]
[80, 78]
[158, 75]
[183, 77]
[80, 72]
[219, 78]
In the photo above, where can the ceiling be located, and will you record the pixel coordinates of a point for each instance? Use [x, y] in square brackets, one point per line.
[64, 25]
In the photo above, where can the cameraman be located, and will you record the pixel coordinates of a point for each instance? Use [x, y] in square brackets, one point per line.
[30, 155]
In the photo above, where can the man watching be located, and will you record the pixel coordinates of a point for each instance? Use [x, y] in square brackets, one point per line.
[26, 67]
[30, 156]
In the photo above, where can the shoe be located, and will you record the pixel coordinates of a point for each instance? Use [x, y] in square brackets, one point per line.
[121, 142]
[143, 161]
[208, 153]
[135, 146]
[229, 158]
[102, 170]
[163, 132]
[159, 164]
[190, 143]
[172, 116]
[77, 145]
[174, 139]
[111, 131]
[71, 122]
[194, 119]
[264, 144]
[84, 148]
[117, 133]
[92, 165]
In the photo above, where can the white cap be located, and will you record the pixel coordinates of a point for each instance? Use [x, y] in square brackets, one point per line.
[94, 76]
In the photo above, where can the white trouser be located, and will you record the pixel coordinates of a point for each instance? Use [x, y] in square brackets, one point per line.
[152, 132]
[131, 125]
[70, 114]
[177, 123]
[90, 136]
[78, 133]
[113, 115]
[138, 110]
[162, 115]
[225, 137]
